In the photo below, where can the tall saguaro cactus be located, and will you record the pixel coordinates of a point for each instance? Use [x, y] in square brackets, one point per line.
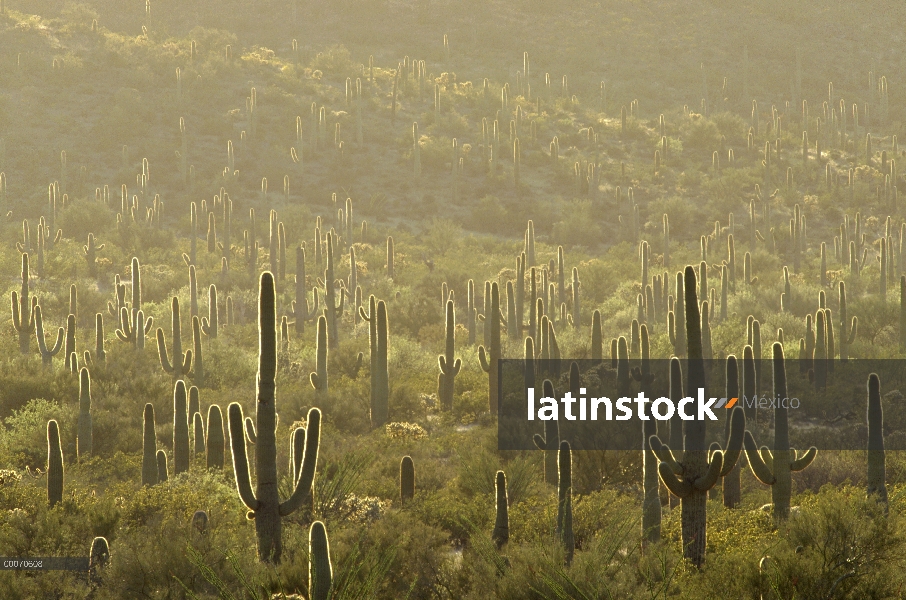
[180, 429]
[214, 443]
[564, 501]
[149, 447]
[490, 358]
[877, 483]
[133, 325]
[501, 533]
[83, 441]
[449, 365]
[264, 503]
[47, 354]
[54, 464]
[182, 363]
[23, 310]
[319, 377]
[698, 472]
[380, 376]
[775, 467]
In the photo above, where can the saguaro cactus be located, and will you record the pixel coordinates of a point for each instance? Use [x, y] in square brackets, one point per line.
[47, 354]
[334, 310]
[550, 443]
[182, 363]
[501, 533]
[320, 571]
[490, 358]
[133, 326]
[180, 429]
[23, 310]
[83, 441]
[69, 346]
[565, 501]
[380, 376]
[877, 483]
[774, 467]
[319, 377]
[264, 503]
[698, 472]
[209, 323]
[162, 472]
[407, 480]
[449, 365]
[91, 249]
[54, 464]
[214, 443]
[149, 447]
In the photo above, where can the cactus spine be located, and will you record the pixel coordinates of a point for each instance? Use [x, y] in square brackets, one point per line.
[449, 365]
[264, 503]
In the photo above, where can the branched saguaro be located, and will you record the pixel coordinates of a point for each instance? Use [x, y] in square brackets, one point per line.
[264, 503]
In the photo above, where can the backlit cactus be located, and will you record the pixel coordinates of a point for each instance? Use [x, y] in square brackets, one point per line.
[380, 376]
[182, 362]
[877, 478]
[320, 570]
[264, 504]
[83, 439]
[449, 365]
[774, 467]
[319, 377]
[24, 310]
[407, 480]
[54, 464]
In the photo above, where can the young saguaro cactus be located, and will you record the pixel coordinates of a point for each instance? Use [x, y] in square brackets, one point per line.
[180, 429]
[449, 365]
[83, 441]
[209, 323]
[182, 363]
[320, 570]
[91, 249]
[47, 354]
[334, 310]
[149, 447]
[319, 377]
[264, 503]
[775, 467]
[565, 502]
[877, 483]
[501, 533]
[54, 464]
[214, 442]
[133, 325]
[407, 480]
[490, 358]
[698, 472]
[380, 376]
[23, 310]
[550, 442]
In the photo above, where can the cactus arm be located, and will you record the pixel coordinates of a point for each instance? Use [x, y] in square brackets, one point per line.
[762, 472]
[483, 359]
[734, 444]
[540, 442]
[240, 459]
[664, 454]
[804, 460]
[148, 324]
[365, 316]
[315, 381]
[162, 352]
[124, 333]
[250, 432]
[309, 462]
[767, 457]
[715, 465]
[678, 487]
[855, 327]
